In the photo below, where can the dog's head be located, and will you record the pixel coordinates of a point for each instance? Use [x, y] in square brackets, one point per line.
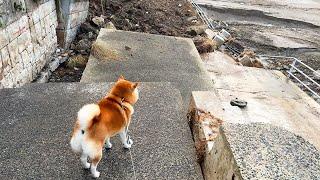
[126, 89]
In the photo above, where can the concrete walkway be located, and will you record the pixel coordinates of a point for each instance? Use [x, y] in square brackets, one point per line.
[148, 58]
[37, 120]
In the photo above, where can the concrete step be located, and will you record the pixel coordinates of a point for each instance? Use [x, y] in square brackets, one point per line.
[37, 120]
[272, 138]
[276, 136]
[148, 58]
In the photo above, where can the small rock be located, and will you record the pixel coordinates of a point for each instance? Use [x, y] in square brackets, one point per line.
[196, 30]
[65, 54]
[110, 25]
[316, 75]
[246, 61]
[62, 59]
[129, 24]
[72, 46]
[91, 35]
[204, 45]
[54, 65]
[58, 50]
[44, 77]
[286, 67]
[78, 61]
[127, 48]
[83, 44]
[192, 18]
[179, 5]
[99, 21]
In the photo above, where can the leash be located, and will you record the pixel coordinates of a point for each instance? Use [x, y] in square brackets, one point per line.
[132, 164]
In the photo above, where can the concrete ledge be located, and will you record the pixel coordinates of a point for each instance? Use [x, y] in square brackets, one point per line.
[272, 138]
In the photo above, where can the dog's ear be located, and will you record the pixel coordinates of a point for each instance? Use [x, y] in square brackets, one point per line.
[135, 85]
[121, 78]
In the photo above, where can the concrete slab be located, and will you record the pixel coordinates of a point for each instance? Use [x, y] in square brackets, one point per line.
[272, 138]
[148, 58]
[36, 124]
[229, 76]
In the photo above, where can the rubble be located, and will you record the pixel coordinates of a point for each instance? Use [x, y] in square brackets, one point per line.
[99, 21]
[77, 61]
[196, 30]
[204, 45]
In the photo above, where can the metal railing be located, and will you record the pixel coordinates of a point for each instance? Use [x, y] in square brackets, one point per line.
[202, 14]
[294, 67]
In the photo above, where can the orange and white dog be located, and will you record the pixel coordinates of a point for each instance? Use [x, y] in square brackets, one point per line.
[96, 123]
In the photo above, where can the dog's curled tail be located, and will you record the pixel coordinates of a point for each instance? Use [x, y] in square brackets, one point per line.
[86, 114]
[86, 117]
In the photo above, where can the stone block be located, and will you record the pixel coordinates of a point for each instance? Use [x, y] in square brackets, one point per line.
[13, 51]
[47, 24]
[36, 31]
[73, 20]
[53, 18]
[26, 59]
[75, 7]
[1, 69]
[5, 57]
[13, 30]
[42, 12]
[47, 9]
[52, 5]
[4, 39]
[36, 51]
[43, 28]
[36, 15]
[24, 40]
[24, 24]
[54, 65]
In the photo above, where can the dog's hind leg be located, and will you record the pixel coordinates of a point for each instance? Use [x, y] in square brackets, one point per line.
[108, 143]
[95, 161]
[84, 161]
[125, 139]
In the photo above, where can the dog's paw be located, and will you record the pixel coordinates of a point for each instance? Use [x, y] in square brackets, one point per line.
[128, 144]
[96, 174]
[86, 165]
[108, 145]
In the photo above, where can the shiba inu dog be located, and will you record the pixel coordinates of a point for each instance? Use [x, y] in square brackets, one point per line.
[96, 123]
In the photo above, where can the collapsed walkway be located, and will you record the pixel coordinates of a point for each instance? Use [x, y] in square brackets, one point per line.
[37, 119]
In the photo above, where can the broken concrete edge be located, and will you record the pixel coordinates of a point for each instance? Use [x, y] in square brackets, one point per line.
[213, 150]
[204, 125]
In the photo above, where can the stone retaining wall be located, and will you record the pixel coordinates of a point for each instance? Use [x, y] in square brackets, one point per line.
[27, 39]
[28, 35]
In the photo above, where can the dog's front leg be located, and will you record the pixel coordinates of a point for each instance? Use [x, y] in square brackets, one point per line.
[108, 143]
[125, 139]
